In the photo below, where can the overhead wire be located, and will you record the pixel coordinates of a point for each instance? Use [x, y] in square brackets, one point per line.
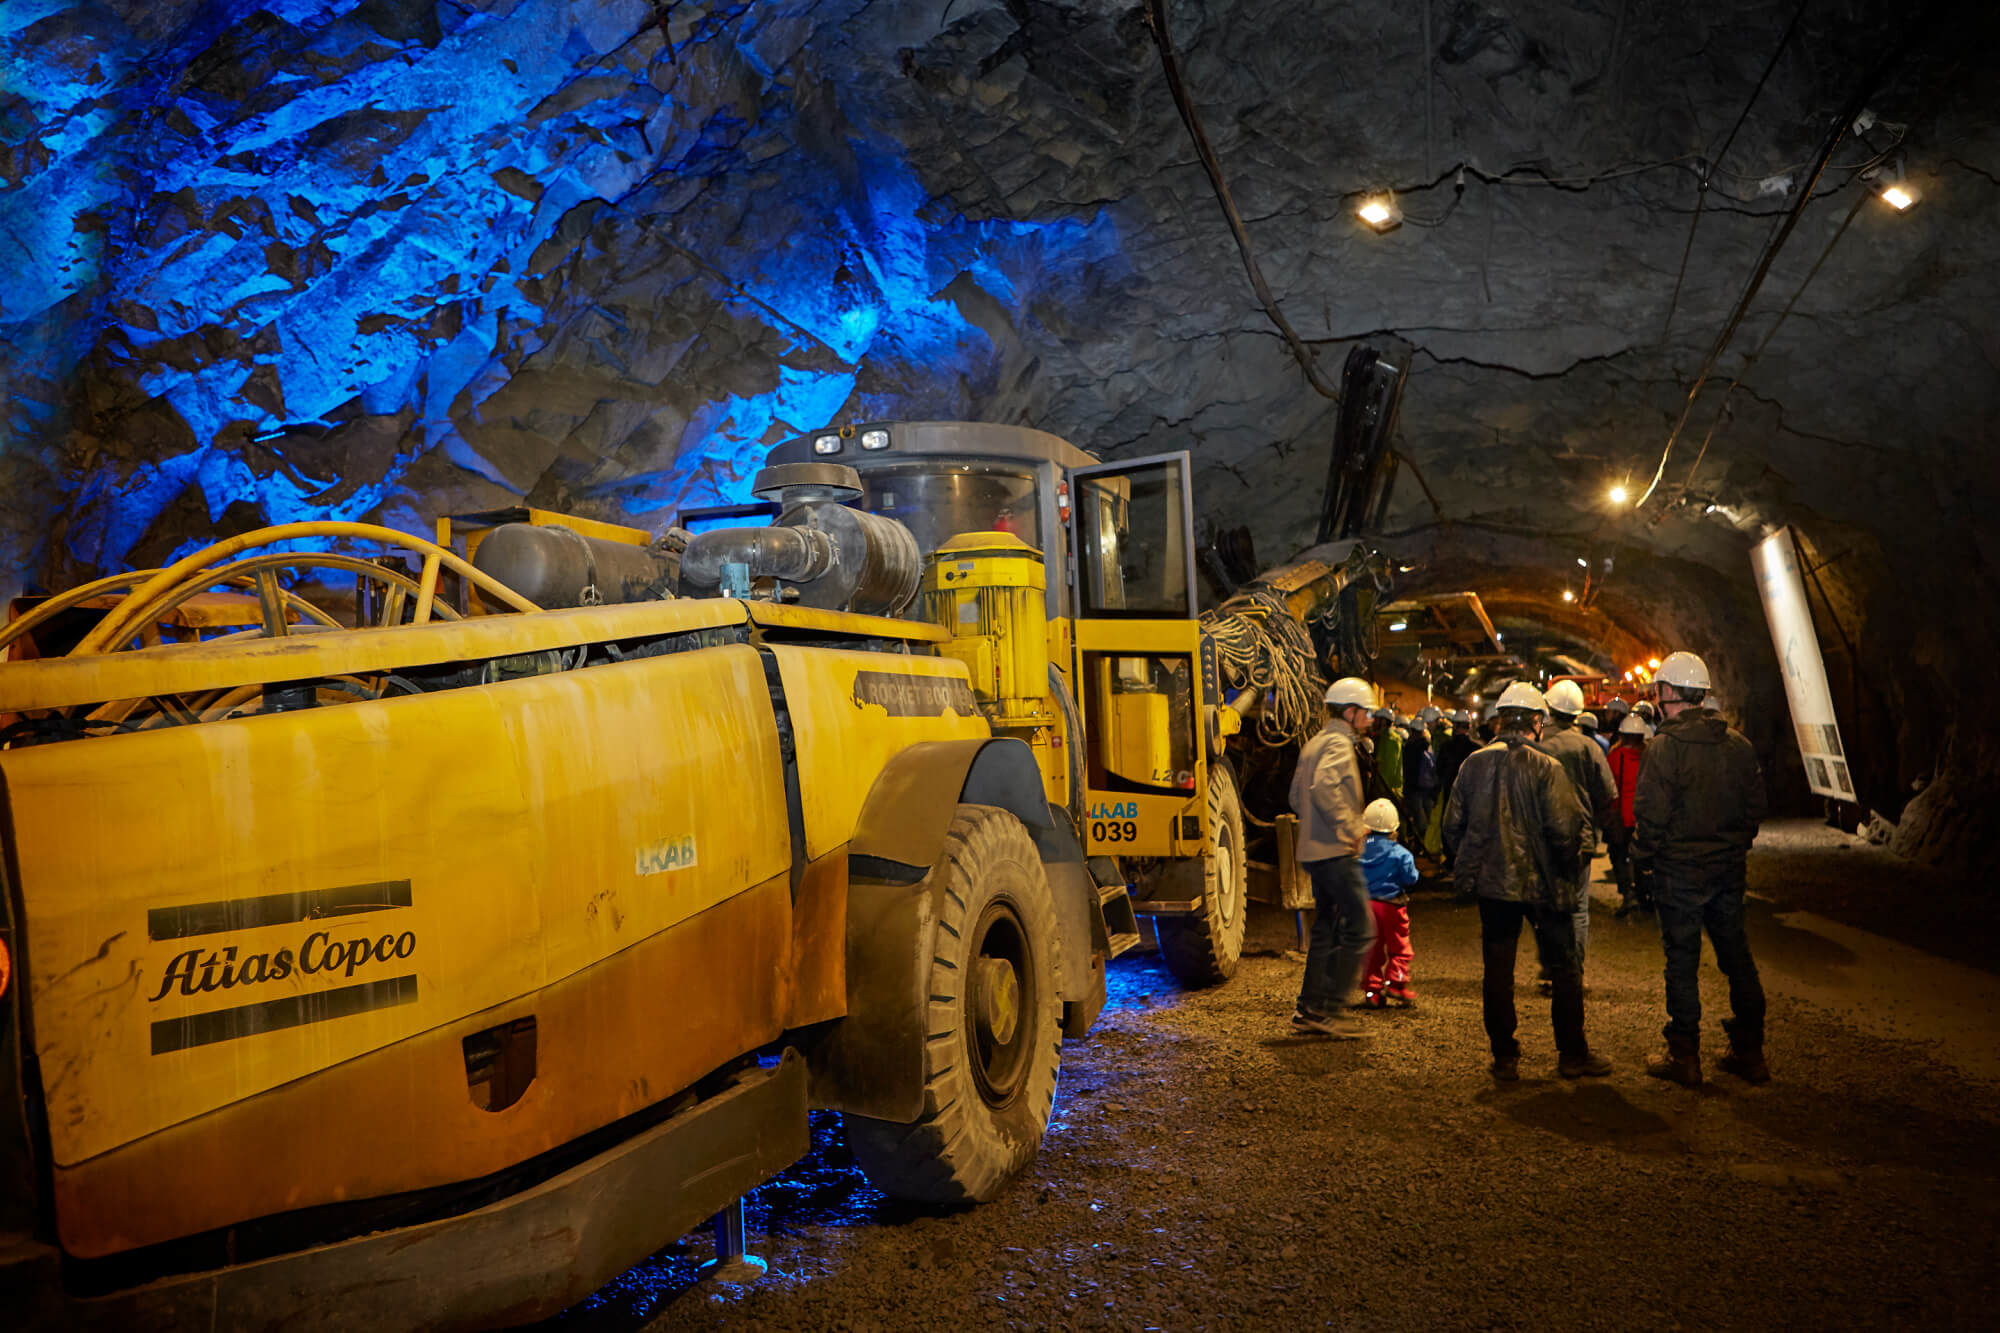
[1156, 19]
[1836, 131]
[1749, 362]
[1709, 164]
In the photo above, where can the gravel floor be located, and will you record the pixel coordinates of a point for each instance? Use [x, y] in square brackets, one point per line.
[1207, 1169]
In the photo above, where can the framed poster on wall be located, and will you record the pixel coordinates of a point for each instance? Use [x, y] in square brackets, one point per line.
[1782, 587]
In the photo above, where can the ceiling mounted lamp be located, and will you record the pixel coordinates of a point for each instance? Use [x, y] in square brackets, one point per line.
[1899, 196]
[1617, 495]
[1380, 212]
[1568, 596]
[1398, 626]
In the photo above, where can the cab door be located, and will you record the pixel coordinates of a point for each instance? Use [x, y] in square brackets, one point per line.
[1138, 659]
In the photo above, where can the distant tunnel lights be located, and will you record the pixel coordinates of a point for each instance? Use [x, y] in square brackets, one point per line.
[1618, 495]
[1380, 212]
[1398, 626]
[1568, 596]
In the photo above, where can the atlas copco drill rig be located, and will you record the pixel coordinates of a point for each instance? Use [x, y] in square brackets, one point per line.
[433, 971]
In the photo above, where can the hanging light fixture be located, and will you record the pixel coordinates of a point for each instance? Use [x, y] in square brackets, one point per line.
[1899, 196]
[1380, 212]
[1617, 495]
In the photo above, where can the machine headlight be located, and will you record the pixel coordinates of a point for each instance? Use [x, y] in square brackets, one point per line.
[874, 439]
[826, 444]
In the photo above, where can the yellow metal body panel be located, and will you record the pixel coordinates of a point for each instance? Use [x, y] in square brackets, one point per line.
[987, 589]
[1131, 733]
[854, 711]
[1136, 744]
[612, 1039]
[61, 682]
[533, 828]
[778, 615]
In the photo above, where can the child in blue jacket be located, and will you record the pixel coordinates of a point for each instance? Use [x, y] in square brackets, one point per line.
[1391, 872]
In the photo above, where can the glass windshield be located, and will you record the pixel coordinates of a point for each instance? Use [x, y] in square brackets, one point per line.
[1134, 541]
[937, 501]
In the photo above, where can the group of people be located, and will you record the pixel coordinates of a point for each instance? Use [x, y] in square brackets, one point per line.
[1677, 810]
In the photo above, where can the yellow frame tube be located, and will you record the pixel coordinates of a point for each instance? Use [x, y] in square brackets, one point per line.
[123, 622]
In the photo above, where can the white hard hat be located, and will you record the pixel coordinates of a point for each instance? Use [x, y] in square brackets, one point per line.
[1565, 697]
[1492, 711]
[1523, 695]
[1587, 719]
[1351, 691]
[1683, 671]
[1430, 712]
[1634, 725]
[1460, 718]
[1381, 815]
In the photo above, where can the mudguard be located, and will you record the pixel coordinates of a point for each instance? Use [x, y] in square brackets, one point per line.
[871, 1062]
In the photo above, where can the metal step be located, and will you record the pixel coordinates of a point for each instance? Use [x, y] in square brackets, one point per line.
[1119, 919]
[1124, 942]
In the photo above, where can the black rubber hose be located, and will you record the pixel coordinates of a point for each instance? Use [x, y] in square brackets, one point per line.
[794, 554]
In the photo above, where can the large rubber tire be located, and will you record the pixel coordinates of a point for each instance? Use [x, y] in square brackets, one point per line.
[1203, 949]
[994, 1025]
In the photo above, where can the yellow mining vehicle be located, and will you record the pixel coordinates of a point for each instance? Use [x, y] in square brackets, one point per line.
[1130, 710]
[1068, 586]
[432, 972]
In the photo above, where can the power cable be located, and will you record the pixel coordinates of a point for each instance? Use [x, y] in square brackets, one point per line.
[1156, 19]
[1744, 370]
[1837, 130]
[1712, 162]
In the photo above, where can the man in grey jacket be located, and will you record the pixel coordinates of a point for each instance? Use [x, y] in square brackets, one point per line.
[1517, 831]
[1589, 772]
[1327, 797]
[1699, 802]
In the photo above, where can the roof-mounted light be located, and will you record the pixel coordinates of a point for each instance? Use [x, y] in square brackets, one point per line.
[826, 444]
[874, 439]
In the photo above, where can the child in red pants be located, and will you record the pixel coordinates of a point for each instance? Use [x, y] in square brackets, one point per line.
[1391, 872]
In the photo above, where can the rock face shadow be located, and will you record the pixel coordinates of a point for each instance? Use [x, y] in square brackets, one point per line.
[1596, 1114]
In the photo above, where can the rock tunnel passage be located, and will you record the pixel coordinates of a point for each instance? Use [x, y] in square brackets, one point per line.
[1651, 285]
[1208, 1170]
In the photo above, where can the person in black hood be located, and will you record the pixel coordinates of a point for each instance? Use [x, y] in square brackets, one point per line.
[1699, 802]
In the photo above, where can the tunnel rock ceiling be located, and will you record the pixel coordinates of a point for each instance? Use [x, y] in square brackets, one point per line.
[394, 259]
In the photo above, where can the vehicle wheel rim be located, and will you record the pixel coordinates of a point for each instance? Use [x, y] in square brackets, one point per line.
[1001, 1003]
[1225, 872]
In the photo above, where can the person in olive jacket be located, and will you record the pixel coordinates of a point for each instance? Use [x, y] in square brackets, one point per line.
[1699, 802]
[1517, 829]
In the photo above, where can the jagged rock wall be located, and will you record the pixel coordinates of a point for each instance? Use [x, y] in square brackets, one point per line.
[389, 259]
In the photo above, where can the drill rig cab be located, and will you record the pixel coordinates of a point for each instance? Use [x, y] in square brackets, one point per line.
[1105, 674]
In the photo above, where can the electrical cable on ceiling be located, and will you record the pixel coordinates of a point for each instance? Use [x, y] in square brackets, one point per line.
[1156, 19]
[1836, 131]
[1714, 160]
[1744, 370]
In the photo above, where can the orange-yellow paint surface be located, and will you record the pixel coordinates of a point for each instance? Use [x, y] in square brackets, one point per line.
[543, 825]
[854, 711]
[610, 1040]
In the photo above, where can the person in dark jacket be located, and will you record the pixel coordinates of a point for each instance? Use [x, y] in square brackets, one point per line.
[1517, 830]
[1699, 802]
[1420, 783]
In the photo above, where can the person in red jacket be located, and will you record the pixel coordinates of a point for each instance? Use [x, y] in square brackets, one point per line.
[1627, 754]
